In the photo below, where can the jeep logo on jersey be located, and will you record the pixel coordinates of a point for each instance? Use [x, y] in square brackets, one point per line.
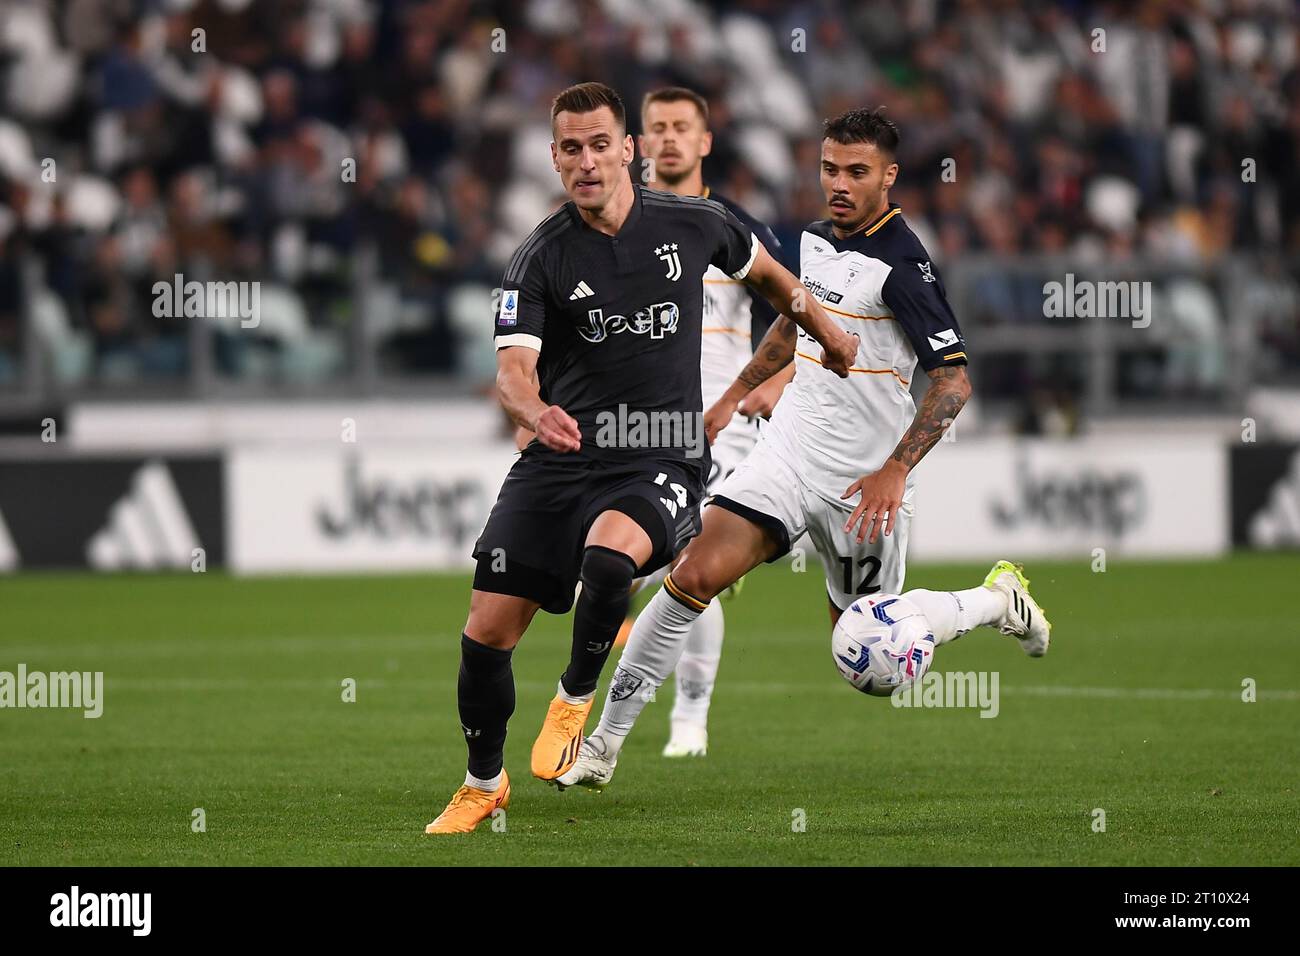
[657, 319]
[668, 253]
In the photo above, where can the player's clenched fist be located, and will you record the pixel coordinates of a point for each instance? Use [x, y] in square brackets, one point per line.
[557, 430]
[840, 352]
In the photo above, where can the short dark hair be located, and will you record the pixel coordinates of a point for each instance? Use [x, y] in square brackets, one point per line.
[586, 98]
[863, 126]
[675, 94]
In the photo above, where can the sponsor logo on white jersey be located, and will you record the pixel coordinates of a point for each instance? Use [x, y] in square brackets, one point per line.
[821, 291]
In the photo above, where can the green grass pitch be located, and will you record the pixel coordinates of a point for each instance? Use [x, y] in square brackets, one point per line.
[226, 695]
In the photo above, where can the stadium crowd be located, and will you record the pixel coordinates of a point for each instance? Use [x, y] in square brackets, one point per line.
[304, 143]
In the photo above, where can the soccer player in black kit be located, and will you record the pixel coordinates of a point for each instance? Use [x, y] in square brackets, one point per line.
[598, 346]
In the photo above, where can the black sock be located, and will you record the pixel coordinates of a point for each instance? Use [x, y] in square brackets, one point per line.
[601, 609]
[485, 692]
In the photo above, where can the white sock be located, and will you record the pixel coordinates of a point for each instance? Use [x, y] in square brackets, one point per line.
[480, 784]
[570, 698]
[698, 668]
[952, 613]
[657, 640]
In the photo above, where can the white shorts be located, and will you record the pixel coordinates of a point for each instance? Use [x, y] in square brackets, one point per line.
[769, 491]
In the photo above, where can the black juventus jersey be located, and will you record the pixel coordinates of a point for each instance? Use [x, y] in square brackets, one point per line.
[617, 319]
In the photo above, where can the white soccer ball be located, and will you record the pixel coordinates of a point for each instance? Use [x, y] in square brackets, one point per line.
[878, 651]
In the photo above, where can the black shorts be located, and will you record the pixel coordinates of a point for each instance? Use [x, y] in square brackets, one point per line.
[532, 543]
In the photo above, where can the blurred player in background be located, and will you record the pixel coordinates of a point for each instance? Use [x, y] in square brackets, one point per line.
[870, 271]
[674, 142]
[600, 314]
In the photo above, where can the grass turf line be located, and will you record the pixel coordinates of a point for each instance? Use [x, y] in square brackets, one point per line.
[225, 694]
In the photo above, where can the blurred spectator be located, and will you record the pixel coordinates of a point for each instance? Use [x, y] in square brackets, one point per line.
[281, 141]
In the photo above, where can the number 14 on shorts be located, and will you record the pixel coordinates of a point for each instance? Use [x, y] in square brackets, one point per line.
[681, 502]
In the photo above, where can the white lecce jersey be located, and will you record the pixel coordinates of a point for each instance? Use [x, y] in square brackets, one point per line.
[880, 284]
[732, 315]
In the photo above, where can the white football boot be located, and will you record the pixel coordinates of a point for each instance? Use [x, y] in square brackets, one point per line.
[592, 769]
[687, 740]
[1024, 619]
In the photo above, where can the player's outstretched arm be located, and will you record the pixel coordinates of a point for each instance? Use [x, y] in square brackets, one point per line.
[882, 491]
[761, 402]
[520, 395]
[774, 353]
[774, 282]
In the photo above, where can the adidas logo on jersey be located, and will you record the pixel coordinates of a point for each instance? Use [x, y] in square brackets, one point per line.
[581, 292]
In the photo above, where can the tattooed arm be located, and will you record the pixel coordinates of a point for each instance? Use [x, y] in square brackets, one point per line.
[947, 395]
[774, 353]
[761, 402]
[882, 491]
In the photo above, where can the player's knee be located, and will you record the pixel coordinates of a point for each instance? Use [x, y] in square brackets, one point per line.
[699, 579]
[498, 634]
[606, 574]
[493, 626]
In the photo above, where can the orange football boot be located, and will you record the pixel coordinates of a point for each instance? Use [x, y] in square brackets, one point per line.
[470, 806]
[556, 747]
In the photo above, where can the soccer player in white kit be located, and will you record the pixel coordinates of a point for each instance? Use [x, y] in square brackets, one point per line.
[869, 272]
[674, 141]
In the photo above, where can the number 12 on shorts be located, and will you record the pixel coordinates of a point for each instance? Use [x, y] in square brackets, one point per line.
[866, 586]
[676, 489]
